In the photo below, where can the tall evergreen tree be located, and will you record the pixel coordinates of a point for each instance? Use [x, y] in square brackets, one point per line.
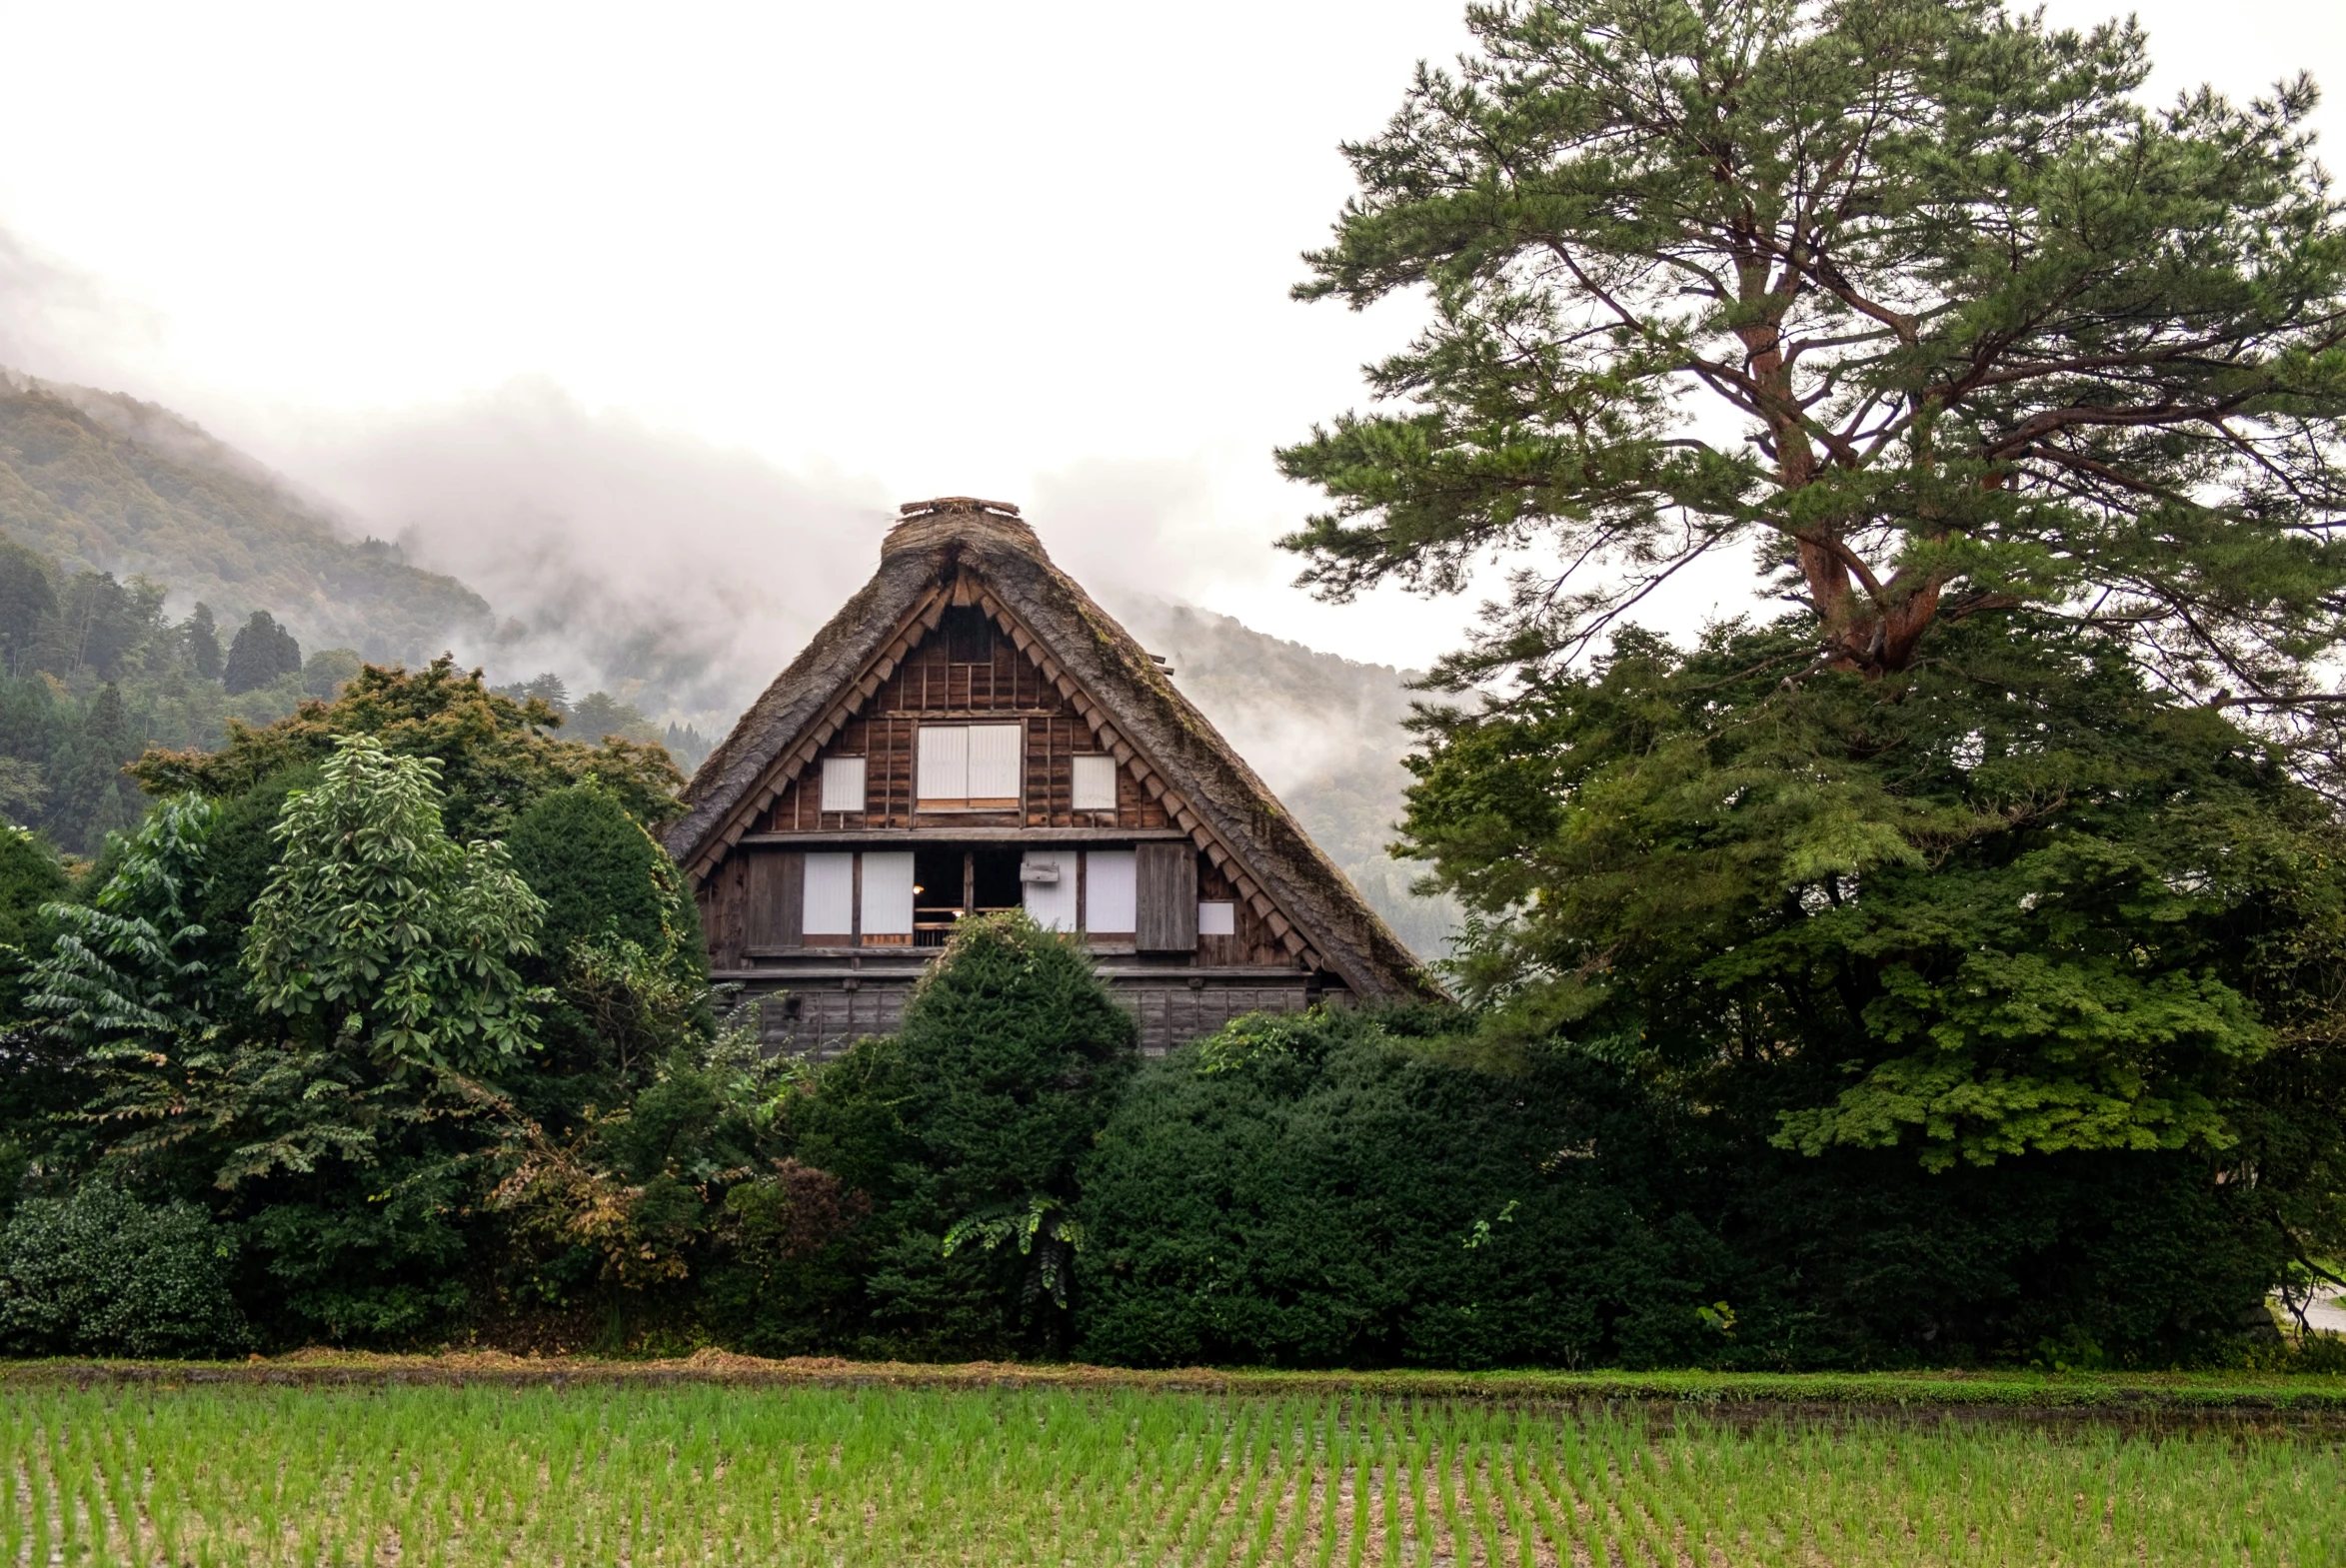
[261, 653]
[203, 642]
[2027, 398]
[1914, 295]
[28, 602]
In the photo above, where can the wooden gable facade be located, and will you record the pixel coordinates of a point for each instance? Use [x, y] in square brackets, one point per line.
[972, 733]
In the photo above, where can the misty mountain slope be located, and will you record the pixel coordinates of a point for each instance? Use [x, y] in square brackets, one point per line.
[1323, 731]
[673, 572]
[106, 483]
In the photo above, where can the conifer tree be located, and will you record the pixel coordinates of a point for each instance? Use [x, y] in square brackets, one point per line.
[2027, 398]
[1912, 295]
[261, 653]
[203, 642]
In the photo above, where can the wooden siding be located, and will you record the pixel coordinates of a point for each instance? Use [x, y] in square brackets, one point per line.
[930, 688]
[822, 1021]
[752, 901]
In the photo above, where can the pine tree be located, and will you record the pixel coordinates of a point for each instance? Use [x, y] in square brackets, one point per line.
[28, 603]
[261, 653]
[1913, 295]
[2000, 843]
[203, 642]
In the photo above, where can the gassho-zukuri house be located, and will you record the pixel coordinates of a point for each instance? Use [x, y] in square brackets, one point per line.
[970, 732]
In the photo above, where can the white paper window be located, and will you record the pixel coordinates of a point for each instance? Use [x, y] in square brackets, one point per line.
[945, 762]
[1095, 784]
[969, 764]
[994, 762]
[843, 783]
[888, 894]
[1108, 888]
[1048, 879]
[1217, 918]
[831, 895]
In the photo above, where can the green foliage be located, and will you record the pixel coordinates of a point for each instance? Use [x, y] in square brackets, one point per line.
[326, 671]
[1917, 294]
[127, 973]
[603, 875]
[600, 716]
[383, 934]
[262, 652]
[494, 754]
[100, 1273]
[979, 1108]
[1329, 1191]
[96, 674]
[1998, 863]
[1315, 1191]
[28, 602]
[30, 876]
[347, 1149]
[2023, 902]
[202, 633]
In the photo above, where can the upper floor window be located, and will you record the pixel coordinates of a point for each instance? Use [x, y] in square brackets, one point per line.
[1095, 784]
[843, 783]
[968, 768]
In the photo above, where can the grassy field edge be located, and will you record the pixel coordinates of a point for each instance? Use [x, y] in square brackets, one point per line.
[2208, 1392]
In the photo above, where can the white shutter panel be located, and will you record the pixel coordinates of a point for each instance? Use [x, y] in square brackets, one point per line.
[1217, 918]
[994, 761]
[1051, 904]
[1108, 891]
[945, 762]
[831, 895]
[1095, 784]
[888, 894]
[843, 783]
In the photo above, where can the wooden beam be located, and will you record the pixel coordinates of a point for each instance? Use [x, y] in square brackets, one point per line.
[882, 836]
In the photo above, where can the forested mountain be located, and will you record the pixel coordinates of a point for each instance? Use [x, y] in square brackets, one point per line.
[93, 672]
[102, 481]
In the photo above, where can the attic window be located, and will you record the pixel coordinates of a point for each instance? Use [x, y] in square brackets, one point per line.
[1095, 784]
[843, 783]
[970, 768]
[969, 634]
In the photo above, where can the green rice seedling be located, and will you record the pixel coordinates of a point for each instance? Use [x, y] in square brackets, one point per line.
[709, 1475]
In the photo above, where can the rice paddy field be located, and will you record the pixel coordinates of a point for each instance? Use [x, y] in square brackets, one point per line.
[825, 1475]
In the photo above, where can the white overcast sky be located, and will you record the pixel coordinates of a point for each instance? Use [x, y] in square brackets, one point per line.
[1036, 252]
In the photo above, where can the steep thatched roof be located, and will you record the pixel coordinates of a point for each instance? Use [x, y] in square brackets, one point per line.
[961, 550]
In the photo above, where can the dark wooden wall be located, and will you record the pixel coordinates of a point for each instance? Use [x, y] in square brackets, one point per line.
[747, 902]
[929, 686]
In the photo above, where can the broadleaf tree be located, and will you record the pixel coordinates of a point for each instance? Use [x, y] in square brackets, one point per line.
[2005, 837]
[385, 931]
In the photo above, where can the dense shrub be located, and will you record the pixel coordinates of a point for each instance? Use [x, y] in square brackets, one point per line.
[100, 1273]
[599, 873]
[619, 946]
[1313, 1191]
[1325, 1190]
[965, 1131]
[2082, 1258]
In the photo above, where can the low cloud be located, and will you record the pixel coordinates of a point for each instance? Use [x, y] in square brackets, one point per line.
[61, 323]
[647, 563]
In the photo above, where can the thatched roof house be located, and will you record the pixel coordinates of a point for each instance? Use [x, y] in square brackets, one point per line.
[971, 732]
